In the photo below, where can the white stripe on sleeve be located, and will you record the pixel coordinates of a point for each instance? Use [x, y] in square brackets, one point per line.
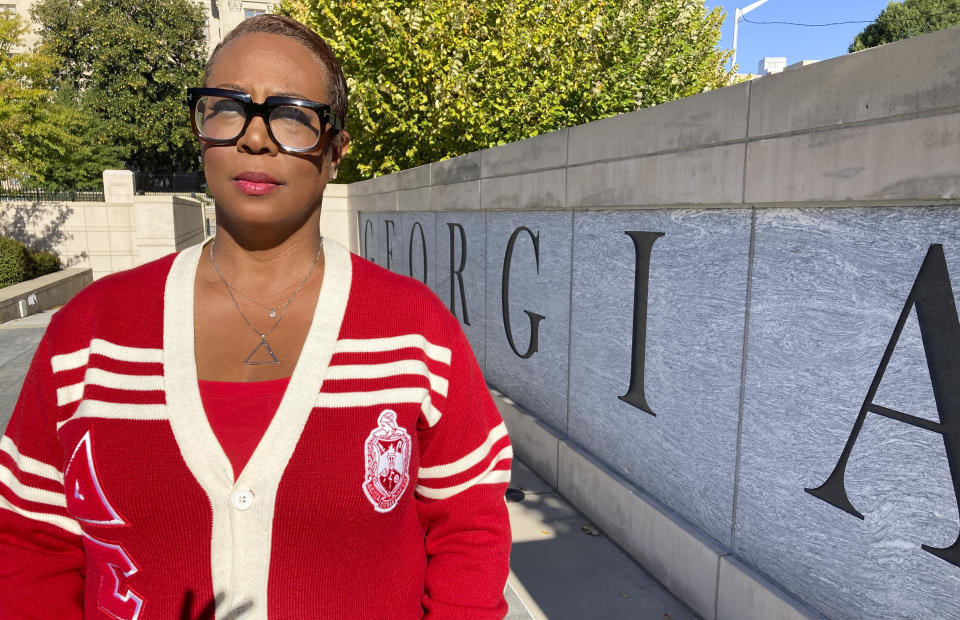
[80, 357]
[489, 476]
[27, 464]
[377, 345]
[391, 369]
[392, 396]
[60, 521]
[69, 361]
[28, 493]
[468, 461]
[116, 411]
[104, 378]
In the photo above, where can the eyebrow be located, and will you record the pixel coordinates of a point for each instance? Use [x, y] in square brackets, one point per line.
[280, 94]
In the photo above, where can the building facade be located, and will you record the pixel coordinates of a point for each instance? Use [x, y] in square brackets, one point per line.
[222, 16]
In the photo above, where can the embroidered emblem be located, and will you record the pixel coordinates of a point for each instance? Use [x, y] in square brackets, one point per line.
[87, 503]
[387, 456]
[116, 567]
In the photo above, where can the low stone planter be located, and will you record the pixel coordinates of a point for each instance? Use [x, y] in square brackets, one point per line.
[49, 291]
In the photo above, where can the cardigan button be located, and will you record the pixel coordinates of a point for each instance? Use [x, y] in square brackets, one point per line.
[242, 500]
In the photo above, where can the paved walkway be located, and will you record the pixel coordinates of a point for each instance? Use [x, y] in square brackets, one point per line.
[18, 341]
[561, 567]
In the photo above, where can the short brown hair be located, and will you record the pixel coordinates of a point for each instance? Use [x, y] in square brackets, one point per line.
[292, 29]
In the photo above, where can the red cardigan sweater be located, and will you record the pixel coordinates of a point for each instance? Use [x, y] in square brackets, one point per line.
[376, 491]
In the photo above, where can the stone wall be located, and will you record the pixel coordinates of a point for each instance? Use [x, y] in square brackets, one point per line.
[41, 294]
[696, 307]
[337, 220]
[166, 224]
[123, 231]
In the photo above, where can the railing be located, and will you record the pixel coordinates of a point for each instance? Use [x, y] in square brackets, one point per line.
[186, 183]
[49, 195]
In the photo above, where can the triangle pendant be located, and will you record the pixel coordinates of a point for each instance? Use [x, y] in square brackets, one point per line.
[263, 344]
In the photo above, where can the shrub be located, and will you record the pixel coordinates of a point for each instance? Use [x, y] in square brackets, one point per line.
[42, 263]
[14, 262]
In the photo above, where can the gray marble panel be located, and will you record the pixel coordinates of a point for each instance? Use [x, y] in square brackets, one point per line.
[385, 239]
[828, 287]
[393, 246]
[473, 320]
[372, 242]
[905, 385]
[685, 455]
[539, 382]
[411, 250]
[369, 225]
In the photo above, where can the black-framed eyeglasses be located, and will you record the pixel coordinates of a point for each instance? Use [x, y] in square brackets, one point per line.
[220, 116]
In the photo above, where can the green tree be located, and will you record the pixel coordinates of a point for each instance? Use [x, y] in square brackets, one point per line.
[431, 79]
[45, 140]
[129, 62]
[902, 20]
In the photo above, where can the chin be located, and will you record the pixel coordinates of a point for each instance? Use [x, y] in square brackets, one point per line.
[262, 216]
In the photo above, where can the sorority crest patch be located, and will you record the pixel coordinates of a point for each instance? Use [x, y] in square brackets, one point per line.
[387, 457]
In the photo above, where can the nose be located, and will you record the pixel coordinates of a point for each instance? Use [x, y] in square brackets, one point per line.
[256, 137]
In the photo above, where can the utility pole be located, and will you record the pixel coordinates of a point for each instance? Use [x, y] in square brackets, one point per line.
[737, 18]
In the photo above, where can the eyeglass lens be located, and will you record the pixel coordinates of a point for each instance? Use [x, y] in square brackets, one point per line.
[222, 118]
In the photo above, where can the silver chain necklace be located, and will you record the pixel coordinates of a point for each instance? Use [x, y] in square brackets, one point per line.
[282, 308]
[271, 310]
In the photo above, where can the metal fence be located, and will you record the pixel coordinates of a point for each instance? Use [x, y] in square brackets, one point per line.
[180, 183]
[185, 183]
[44, 195]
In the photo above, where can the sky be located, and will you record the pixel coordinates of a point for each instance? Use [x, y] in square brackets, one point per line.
[797, 43]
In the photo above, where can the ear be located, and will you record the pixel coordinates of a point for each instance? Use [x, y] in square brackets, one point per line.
[338, 149]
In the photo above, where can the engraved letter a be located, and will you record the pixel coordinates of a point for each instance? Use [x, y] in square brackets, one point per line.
[940, 330]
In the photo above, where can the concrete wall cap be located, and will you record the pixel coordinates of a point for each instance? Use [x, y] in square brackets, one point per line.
[413, 178]
[710, 118]
[872, 84]
[456, 169]
[22, 289]
[541, 152]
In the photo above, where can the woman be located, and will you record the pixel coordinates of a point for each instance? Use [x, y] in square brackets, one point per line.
[264, 424]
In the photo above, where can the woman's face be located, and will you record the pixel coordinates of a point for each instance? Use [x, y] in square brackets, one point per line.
[257, 186]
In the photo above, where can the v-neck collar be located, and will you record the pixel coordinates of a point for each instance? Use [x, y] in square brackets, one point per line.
[242, 512]
[196, 439]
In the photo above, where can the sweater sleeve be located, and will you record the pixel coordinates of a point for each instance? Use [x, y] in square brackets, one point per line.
[41, 550]
[465, 460]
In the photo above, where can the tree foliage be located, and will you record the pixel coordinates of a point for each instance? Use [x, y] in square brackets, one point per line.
[14, 262]
[128, 63]
[431, 79]
[902, 20]
[45, 140]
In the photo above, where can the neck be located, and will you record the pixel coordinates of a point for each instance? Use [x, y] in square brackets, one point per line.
[266, 268]
[263, 238]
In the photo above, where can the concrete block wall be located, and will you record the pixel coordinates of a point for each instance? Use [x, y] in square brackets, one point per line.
[703, 298]
[98, 235]
[337, 222]
[166, 224]
[46, 292]
[122, 232]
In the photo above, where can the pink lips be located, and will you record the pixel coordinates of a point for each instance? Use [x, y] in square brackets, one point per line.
[255, 183]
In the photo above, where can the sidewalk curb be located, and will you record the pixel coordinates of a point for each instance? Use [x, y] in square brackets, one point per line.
[688, 563]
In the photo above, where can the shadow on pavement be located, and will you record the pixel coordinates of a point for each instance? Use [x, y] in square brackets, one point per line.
[563, 568]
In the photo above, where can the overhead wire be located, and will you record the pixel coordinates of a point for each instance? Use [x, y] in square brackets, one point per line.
[806, 25]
